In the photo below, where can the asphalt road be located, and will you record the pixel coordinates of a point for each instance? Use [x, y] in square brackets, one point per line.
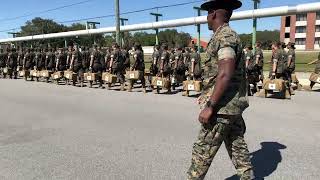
[63, 132]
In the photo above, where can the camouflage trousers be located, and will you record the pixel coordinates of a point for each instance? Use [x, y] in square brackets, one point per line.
[229, 130]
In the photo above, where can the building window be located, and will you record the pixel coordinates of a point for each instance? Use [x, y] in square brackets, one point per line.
[301, 41]
[318, 28]
[301, 29]
[318, 15]
[301, 17]
[317, 41]
[288, 21]
[287, 35]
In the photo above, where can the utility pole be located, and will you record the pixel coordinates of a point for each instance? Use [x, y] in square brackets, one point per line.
[122, 34]
[254, 30]
[157, 15]
[198, 29]
[14, 35]
[117, 13]
[92, 25]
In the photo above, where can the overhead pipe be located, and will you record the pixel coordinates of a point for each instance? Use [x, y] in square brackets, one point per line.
[248, 14]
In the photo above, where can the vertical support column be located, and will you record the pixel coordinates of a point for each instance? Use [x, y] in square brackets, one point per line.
[117, 13]
[254, 29]
[122, 34]
[157, 15]
[198, 29]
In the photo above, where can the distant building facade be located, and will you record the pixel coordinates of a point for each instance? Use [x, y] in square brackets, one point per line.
[302, 29]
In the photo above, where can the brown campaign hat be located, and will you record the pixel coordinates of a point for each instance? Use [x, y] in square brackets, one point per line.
[221, 4]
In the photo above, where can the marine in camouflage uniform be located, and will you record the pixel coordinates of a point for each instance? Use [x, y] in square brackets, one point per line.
[165, 66]
[138, 65]
[61, 61]
[116, 65]
[76, 66]
[291, 65]
[222, 100]
[179, 68]
[2, 62]
[28, 62]
[126, 56]
[12, 63]
[278, 62]
[96, 65]
[49, 61]
[86, 58]
[252, 73]
[155, 66]
[194, 67]
[39, 61]
[316, 70]
[259, 60]
[20, 59]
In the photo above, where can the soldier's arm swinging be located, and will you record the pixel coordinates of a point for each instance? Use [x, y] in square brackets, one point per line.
[192, 66]
[71, 63]
[111, 62]
[91, 61]
[274, 66]
[57, 63]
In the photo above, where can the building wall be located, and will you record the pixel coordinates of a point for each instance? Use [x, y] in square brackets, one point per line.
[302, 31]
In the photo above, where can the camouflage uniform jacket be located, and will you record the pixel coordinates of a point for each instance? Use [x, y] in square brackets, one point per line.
[259, 54]
[292, 55]
[196, 58]
[138, 60]
[225, 43]
[317, 69]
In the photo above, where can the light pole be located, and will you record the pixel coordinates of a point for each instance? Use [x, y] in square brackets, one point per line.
[198, 29]
[122, 34]
[117, 13]
[157, 15]
[254, 30]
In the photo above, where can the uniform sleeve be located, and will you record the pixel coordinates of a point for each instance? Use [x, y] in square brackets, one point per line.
[258, 54]
[227, 46]
[319, 56]
[290, 54]
[276, 57]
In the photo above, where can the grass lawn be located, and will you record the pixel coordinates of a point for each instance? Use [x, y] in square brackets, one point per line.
[302, 58]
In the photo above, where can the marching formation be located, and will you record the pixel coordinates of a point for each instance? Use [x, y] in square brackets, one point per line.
[106, 66]
[169, 68]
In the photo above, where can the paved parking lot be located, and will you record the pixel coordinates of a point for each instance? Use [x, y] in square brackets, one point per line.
[64, 132]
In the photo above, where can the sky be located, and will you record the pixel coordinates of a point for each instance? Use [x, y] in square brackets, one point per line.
[9, 10]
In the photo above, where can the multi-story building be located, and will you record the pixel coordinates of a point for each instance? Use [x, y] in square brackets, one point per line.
[303, 29]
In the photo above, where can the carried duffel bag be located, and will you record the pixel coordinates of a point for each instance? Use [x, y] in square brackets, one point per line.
[24, 73]
[315, 78]
[161, 82]
[109, 78]
[34, 73]
[192, 85]
[294, 78]
[6, 70]
[275, 85]
[90, 76]
[133, 75]
[45, 73]
[57, 75]
[70, 75]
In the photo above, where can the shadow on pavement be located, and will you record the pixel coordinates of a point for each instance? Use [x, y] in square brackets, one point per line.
[265, 161]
